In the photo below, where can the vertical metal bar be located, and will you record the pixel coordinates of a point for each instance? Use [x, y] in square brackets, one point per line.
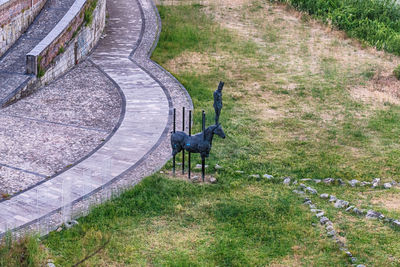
[174, 130]
[203, 160]
[203, 124]
[190, 134]
[183, 150]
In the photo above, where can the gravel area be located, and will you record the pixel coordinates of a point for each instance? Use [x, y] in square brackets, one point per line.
[56, 126]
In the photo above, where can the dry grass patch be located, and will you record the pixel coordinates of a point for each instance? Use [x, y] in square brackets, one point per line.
[389, 201]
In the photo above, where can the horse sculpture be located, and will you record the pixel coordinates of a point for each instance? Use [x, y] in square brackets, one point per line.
[199, 143]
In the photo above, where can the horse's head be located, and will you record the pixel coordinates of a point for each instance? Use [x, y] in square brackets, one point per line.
[218, 131]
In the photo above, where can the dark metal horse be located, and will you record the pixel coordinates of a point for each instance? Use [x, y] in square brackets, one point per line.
[199, 143]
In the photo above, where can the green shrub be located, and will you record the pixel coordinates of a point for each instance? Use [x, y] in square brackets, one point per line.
[89, 13]
[61, 50]
[375, 21]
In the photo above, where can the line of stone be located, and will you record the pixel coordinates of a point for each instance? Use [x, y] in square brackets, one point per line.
[374, 184]
[320, 214]
[343, 204]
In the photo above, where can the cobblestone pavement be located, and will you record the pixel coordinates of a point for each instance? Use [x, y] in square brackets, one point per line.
[12, 63]
[138, 144]
[55, 127]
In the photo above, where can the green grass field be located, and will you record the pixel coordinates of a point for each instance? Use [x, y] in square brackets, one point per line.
[300, 100]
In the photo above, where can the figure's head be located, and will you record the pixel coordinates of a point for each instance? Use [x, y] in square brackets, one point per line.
[218, 131]
[220, 86]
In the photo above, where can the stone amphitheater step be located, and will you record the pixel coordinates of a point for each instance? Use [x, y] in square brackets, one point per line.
[12, 63]
[138, 145]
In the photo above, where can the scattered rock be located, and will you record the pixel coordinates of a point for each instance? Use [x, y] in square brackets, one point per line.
[357, 211]
[323, 220]
[339, 242]
[241, 172]
[341, 204]
[257, 176]
[331, 233]
[267, 176]
[308, 202]
[303, 186]
[198, 166]
[213, 180]
[317, 181]
[363, 183]
[353, 182]
[50, 264]
[305, 179]
[329, 228]
[298, 192]
[59, 229]
[332, 198]
[393, 183]
[375, 182]
[353, 259]
[315, 210]
[161, 172]
[218, 167]
[340, 181]
[311, 190]
[294, 182]
[329, 180]
[320, 214]
[396, 223]
[324, 196]
[371, 214]
[387, 185]
[286, 181]
[349, 208]
[71, 223]
[313, 224]
[195, 179]
[348, 253]
[361, 265]
[312, 206]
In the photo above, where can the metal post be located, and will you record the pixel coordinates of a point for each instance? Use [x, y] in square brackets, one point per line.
[203, 160]
[174, 130]
[190, 134]
[183, 150]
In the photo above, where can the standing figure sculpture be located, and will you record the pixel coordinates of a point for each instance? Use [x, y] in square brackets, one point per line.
[218, 101]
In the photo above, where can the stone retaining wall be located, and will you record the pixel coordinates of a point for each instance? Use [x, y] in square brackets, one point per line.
[15, 17]
[70, 40]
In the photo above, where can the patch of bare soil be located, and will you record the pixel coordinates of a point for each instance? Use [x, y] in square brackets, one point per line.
[388, 201]
[195, 175]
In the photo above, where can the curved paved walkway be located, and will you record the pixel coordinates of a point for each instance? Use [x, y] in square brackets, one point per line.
[140, 143]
